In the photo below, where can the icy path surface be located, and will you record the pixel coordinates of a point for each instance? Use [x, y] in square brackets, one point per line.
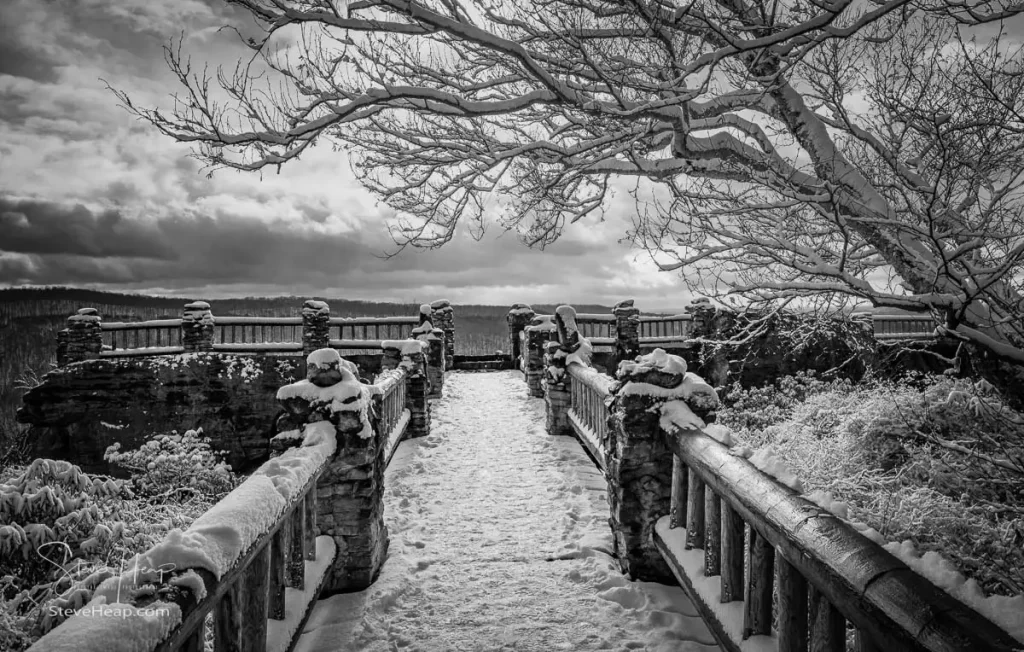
[500, 541]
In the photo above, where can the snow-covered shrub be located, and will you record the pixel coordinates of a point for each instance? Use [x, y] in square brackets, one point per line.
[54, 520]
[176, 463]
[934, 460]
[90, 544]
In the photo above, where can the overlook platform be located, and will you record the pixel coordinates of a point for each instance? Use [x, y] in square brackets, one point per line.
[500, 541]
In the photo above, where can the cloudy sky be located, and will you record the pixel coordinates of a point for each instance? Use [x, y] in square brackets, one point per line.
[91, 197]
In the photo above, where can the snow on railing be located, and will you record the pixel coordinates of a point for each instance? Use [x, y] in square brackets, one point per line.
[237, 562]
[822, 570]
[390, 405]
[230, 334]
[588, 410]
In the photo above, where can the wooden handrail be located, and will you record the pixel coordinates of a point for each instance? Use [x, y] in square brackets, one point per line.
[394, 415]
[588, 413]
[248, 593]
[846, 574]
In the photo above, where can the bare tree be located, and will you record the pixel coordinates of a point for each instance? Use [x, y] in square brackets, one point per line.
[776, 148]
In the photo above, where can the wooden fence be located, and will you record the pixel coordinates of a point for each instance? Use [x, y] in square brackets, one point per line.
[730, 521]
[248, 601]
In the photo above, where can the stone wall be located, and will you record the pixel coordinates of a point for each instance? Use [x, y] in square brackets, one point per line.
[77, 411]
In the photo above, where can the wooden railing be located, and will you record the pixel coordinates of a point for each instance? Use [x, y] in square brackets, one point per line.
[144, 334]
[904, 327]
[251, 335]
[823, 571]
[655, 330]
[250, 592]
[372, 328]
[588, 411]
[595, 325]
[391, 406]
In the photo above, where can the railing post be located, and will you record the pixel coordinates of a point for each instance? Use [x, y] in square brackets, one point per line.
[82, 339]
[435, 350]
[442, 315]
[197, 327]
[538, 333]
[316, 326]
[519, 316]
[557, 400]
[627, 331]
[412, 355]
[349, 498]
[639, 471]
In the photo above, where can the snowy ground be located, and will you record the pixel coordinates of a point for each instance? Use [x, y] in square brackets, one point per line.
[500, 541]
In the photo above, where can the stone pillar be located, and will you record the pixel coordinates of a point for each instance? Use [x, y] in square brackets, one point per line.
[197, 327]
[627, 331]
[639, 471]
[442, 315]
[557, 400]
[538, 333]
[518, 318]
[435, 361]
[83, 338]
[316, 327]
[412, 355]
[350, 491]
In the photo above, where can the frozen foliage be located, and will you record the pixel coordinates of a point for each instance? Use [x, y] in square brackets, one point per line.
[1007, 612]
[114, 627]
[500, 541]
[54, 501]
[172, 462]
[214, 541]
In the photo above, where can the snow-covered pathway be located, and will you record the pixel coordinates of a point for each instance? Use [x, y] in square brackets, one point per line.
[500, 541]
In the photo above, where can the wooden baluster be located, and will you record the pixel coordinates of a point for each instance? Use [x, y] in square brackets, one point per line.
[677, 509]
[694, 511]
[862, 642]
[254, 607]
[712, 533]
[757, 611]
[296, 551]
[278, 566]
[732, 555]
[792, 607]
[828, 627]
[195, 641]
[227, 621]
[147, 339]
[310, 531]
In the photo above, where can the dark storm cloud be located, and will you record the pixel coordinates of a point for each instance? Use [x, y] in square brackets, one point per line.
[42, 227]
[21, 59]
[73, 245]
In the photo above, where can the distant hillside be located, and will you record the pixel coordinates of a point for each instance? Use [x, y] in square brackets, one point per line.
[63, 301]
